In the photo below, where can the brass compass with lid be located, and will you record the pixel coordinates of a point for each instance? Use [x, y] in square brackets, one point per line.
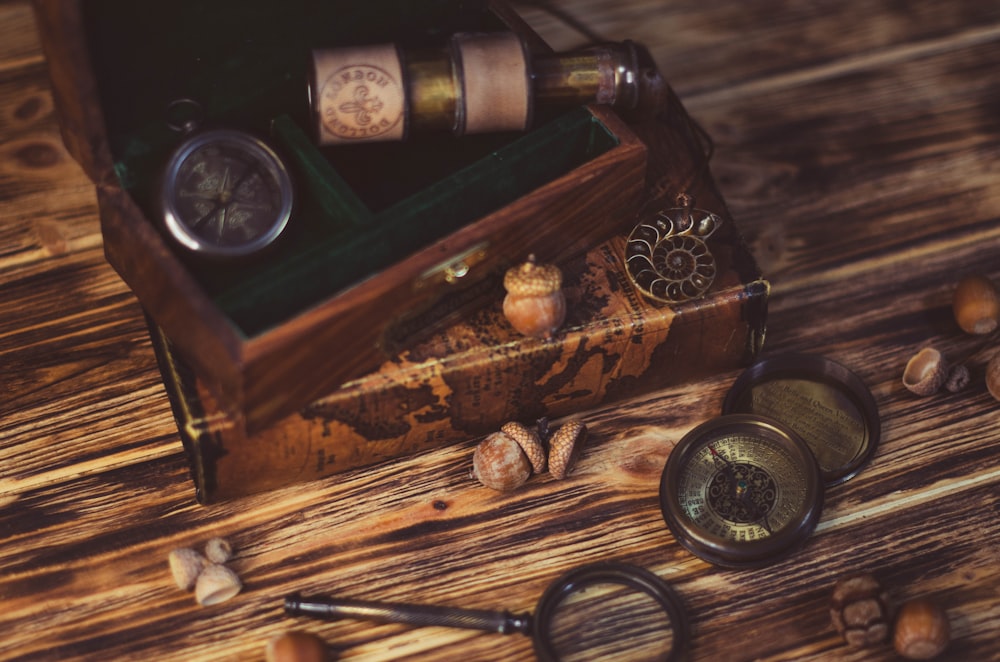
[746, 488]
[741, 491]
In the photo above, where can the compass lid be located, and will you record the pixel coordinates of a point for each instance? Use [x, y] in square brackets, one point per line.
[822, 401]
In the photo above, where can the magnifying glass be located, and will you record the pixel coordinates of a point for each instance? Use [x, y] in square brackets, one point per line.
[601, 611]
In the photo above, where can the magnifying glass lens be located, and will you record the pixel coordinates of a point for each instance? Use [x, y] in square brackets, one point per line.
[610, 621]
[609, 611]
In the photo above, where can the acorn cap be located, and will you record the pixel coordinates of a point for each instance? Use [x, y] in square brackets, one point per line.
[529, 441]
[564, 448]
[216, 584]
[531, 279]
[185, 566]
[925, 372]
[218, 550]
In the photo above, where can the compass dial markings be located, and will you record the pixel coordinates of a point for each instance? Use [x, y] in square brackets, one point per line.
[229, 194]
[728, 491]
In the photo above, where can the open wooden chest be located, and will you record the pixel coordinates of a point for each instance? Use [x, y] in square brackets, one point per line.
[363, 317]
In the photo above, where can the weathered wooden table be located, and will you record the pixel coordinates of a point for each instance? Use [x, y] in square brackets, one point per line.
[858, 146]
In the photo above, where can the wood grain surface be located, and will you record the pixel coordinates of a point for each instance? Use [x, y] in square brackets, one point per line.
[858, 147]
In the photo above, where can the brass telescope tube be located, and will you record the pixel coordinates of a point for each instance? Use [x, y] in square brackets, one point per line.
[479, 83]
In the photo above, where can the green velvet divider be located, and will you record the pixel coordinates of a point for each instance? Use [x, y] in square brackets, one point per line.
[319, 179]
[280, 288]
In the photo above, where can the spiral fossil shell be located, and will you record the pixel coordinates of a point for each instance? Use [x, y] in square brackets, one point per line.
[667, 258]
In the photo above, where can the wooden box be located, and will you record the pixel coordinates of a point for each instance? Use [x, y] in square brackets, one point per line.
[266, 337]
[467, 378]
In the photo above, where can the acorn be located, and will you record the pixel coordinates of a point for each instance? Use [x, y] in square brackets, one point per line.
[926, 372]
[500, 463]
[216, 584]
[535, 304]
[922, 630]
[185, 566]
[297, 646]
[993, 376]
[218, 550]
[976, 305]
[564, 448]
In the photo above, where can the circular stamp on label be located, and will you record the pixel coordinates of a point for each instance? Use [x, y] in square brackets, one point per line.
[362, 102]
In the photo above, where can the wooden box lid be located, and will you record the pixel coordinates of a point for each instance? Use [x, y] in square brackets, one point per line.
[269, 337]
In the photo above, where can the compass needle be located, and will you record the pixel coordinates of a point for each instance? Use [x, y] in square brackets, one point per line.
[222, 223]
[247, 186]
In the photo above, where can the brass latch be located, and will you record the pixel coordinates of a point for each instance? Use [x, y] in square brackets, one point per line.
[454, 270]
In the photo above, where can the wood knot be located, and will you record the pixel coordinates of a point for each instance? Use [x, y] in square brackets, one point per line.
[38, 155]
[30, 109]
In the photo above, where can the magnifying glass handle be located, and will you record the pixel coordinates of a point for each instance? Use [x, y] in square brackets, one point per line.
[328, 608]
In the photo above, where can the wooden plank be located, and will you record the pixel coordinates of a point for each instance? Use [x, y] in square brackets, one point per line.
[702, 47]
[876, 173]
[33, 163]
[19, 45]
[858, 158]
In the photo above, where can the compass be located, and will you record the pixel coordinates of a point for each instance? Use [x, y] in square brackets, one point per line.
[825, 403]
[225, 194]
[741, 491]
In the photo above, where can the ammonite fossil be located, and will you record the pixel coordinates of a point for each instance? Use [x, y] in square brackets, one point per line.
[666, 256]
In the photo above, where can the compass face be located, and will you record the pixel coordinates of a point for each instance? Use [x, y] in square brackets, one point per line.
[226, 194]
[741, 490]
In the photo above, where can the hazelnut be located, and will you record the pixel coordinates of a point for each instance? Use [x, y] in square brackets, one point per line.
[976, 304]
[297, 646]
[861, 611]
[922, 630]
[925, 372]
[993, 376]
[499, 463]
[564, 448]
[535, 304]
